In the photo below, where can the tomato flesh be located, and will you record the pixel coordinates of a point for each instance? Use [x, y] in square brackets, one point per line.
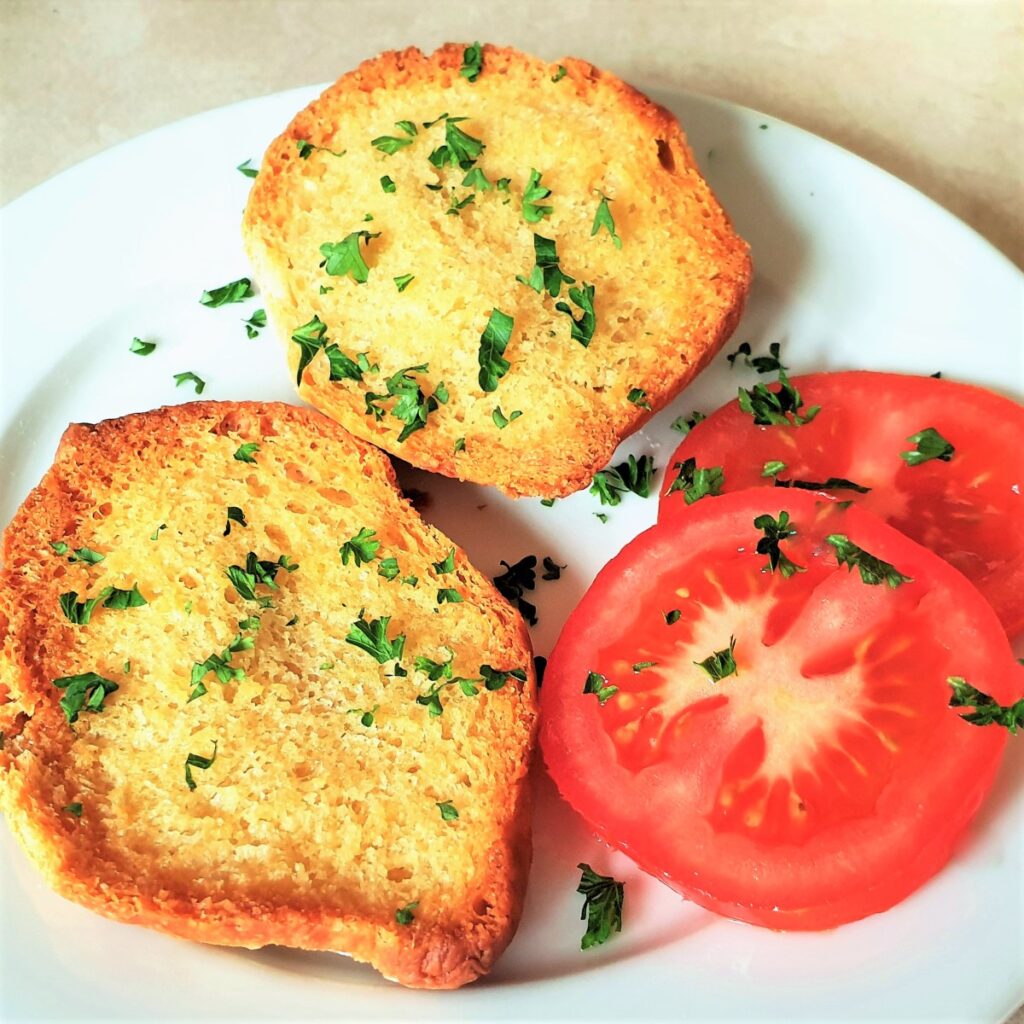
[969, 509]
[827, 777]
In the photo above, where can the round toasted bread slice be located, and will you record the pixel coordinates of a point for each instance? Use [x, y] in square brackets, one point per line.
[248, 696]
[493, 267]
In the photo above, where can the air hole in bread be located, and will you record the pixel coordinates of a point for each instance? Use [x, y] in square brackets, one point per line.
[296, 473]
[481, 907]
[399, 874]
[257, 488]
[276, 536]
[332, 494]
[665, 157]
[102, 511]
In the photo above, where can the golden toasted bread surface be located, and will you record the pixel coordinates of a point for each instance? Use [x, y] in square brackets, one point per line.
[225, 637]
[399, 215]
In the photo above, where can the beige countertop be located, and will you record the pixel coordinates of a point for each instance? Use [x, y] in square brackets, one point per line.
[931, 90]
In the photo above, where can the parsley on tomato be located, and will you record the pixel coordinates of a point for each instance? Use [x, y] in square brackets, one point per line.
[825, 776]
[939, 460]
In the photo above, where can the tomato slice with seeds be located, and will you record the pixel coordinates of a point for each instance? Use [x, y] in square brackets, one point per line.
[969, 508]
[826, 777]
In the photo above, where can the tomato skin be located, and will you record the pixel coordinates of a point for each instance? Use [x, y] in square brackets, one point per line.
[970, 509]
[850, 868]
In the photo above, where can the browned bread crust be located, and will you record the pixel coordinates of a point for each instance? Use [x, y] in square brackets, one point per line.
[665, 301]
[309, 829]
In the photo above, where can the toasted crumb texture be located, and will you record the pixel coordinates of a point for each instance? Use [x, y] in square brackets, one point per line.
[664, 302]
[312, 827]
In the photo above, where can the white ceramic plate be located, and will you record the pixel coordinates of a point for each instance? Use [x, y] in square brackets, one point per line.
[853, 269]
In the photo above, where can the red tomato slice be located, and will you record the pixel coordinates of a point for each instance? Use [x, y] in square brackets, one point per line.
[826, 779]
[969, 509]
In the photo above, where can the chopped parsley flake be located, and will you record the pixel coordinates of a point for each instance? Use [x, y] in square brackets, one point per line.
[361, 548]
[603, 219]
[833, 483]
[696, 483]
[447, 564]
[246, 168]
[197, 761]
[404, 915]
[257, 321]
[720, 664]
[456, 207]
[307, 149]
[412, 406]
[446, 595]
[684, 424]
[476, 179]
[515, 581]
[86, 555]
[246, 452]
[552, 570]
[448, 810]
[763, 364]
[776, 407]
[460, 445]
[75, 810]
[873, 570]
[312, 337]
[493, 342]
[390, 144]
[83, 692]
[366, 718]
[775, 531]
[672, 617]
[403, 281]
[80, 612]
[233, 291]
[639, 666]
[929, 444]
[638, 396]
[546, 273]
[583, 328]
[501, 421]
[533, 211]
[987, 710]
[387, 184]
[189, 376]
[220, 665]
[346, 257]
[235, 515]
[257, 572]
[560, 72]
[602, 906]
[634, 475]
[142, 348]
[472, 62]
[372, 637]
[459, 149]
[597, 684]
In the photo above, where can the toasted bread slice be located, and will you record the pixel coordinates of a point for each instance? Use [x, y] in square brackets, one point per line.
[323, 809]
[359, 193]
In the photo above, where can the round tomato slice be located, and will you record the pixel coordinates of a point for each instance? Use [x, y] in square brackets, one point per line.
[966, 506]
[779, 746]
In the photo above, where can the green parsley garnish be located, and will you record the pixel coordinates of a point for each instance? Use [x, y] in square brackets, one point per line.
[472, 62]
[560, 72]
[220, 665]
[638, 396]
[372, 637]
[602, 906]
[475, 178]
[775, 531]
[460, 445]
[197, 761]
[533, 211]
[83, 692]
[246, 452]
[696, 483]
[776, 407]
[60, 547]
[361, 548]
[603, 219]
[546, 273]
[312, 337]
[684, 424]
[447, 564]
[388, 568]
[233, 291]
[257, 321]
[873, 570]
[515, 581]
[80, 612]
[403, 281]
[448, 811]
[639, 666]
[455, 207]
[155, 535]
[833, 483]
[307, 149]
[365, 717]
[987, 710]
[597, 684]
[413, 406]
[141, 348]
[441, 675]
[493, 342]
[501, 421]
[235, 515]
[391, 144]
[763, 364]
[345, 257]
[86, 555]
[582, 329]
[257, 572]
[446, 595]
[772, 468]
[75, 810]
[672, 617]
[246, 169]
[459, 149]
[721, 663]
[188, 375]
[387, 184]
[404, 915]
[634, 475]
[552, 570]
[929, 444]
